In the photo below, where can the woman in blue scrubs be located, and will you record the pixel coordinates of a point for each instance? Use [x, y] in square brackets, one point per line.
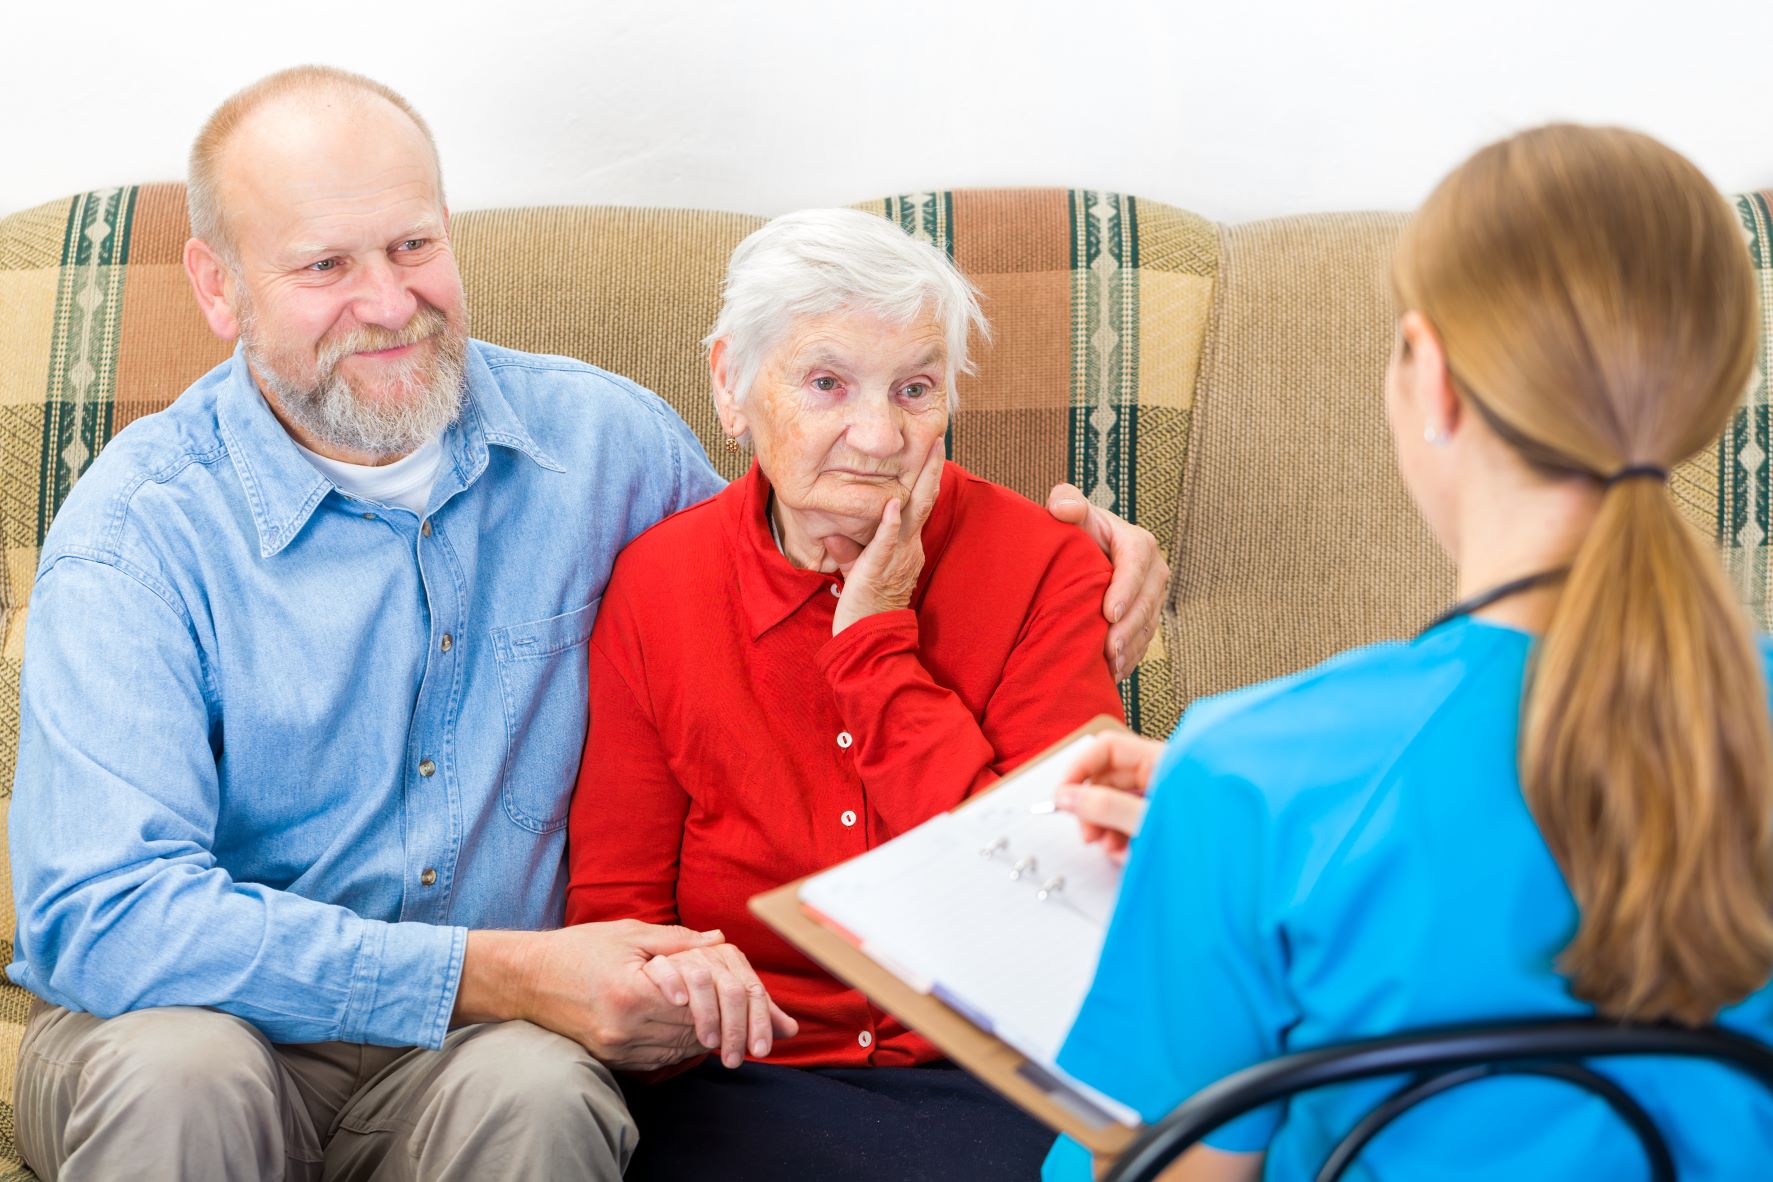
[1558, 798]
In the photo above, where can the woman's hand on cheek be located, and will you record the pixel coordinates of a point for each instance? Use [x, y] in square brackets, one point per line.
[884, 575]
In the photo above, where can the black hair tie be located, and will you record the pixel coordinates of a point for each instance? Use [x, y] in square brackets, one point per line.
[1633, 471]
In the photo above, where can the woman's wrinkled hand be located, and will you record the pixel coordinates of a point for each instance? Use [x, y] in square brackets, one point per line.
[1105, 790]
[731, 1010]
[884, 575]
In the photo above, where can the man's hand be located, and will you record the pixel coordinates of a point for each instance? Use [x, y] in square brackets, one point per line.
[1136, 592]
[884, 575]
[726, 1000]
[591, 983]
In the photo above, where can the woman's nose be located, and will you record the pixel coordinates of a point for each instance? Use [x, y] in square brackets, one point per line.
[875, 431]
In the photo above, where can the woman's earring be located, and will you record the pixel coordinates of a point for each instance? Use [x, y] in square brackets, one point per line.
[1433, 437]
[732, 446]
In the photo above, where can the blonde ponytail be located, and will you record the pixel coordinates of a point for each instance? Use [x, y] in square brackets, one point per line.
[1646, 757]
[1595, 302]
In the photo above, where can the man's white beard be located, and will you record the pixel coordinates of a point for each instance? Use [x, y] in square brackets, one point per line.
[424, 391]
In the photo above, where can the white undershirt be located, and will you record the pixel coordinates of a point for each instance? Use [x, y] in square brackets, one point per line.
[406, 482]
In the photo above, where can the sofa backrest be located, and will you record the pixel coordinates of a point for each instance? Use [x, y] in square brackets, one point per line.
[1219, 385]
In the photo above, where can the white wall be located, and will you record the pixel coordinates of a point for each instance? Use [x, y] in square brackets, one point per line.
[1234, 109]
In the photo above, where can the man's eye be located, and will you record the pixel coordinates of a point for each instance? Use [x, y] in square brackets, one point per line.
[825, 384]
[413, 243]
[325, 265]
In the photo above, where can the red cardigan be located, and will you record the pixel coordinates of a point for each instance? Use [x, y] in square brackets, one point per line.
[735, 744]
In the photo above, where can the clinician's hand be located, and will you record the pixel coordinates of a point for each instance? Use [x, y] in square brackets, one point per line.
[1105, 789]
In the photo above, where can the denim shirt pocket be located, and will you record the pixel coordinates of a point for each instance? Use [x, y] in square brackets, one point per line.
[544, 679]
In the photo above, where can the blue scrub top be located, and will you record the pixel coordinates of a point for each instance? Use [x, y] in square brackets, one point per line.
[1345, 853]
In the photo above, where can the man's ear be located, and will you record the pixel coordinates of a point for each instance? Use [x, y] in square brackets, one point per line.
[732, 415]
[212, 282]
[1428, 381]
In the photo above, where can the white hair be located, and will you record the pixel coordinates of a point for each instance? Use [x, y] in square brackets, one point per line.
[819, 261]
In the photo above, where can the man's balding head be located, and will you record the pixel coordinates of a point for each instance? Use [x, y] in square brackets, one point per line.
[321, 242]
[298, 90]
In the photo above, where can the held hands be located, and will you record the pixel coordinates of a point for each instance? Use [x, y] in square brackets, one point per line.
[1105, 790]
[883, 576]
[1140, 575]
[636, 995]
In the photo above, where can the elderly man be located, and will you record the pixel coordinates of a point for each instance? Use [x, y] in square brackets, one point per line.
[304, 693]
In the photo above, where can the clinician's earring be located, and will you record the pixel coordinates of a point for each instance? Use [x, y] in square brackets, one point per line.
[732, 446]
[1433, 437]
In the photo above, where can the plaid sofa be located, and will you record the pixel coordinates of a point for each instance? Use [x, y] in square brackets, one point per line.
[1219, 384]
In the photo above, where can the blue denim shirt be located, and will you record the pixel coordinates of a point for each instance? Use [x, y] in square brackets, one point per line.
[280, 748]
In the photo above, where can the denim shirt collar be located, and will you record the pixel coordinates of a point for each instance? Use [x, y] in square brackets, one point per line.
[284, 489]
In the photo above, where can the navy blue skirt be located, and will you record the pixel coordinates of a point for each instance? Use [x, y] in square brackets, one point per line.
[762, 1121]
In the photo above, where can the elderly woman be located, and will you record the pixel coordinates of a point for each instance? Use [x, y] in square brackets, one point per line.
[846, 641]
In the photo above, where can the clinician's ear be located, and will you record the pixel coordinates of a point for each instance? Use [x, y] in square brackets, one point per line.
[212, 282]
[1428, 384]
[732, 415]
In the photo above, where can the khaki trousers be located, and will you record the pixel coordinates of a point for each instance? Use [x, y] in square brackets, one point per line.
[194, 1094]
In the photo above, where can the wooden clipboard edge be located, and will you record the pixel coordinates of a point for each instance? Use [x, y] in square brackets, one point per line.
[984, 1055]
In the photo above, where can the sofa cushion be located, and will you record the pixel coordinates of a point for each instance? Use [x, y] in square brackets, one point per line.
[1298, 538]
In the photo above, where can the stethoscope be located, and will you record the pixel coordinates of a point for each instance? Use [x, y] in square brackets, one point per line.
[1483, 599]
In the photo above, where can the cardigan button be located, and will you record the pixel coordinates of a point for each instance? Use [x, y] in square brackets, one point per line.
[848, 818]
[844, 740]
[865, 1040]
[836, 591]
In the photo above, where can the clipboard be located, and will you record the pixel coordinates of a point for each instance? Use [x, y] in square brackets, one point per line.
[1005, 1069]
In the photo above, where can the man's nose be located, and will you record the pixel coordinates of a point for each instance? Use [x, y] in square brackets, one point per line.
[383, 298]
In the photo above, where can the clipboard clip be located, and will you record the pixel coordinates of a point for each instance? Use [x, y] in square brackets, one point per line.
[1051, 889]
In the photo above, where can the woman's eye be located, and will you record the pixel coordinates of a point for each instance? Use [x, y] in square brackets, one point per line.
[325, 265]
[825, 385]
[916, 389]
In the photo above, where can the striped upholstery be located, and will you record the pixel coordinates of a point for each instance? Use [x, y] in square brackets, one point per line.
[1217, 384]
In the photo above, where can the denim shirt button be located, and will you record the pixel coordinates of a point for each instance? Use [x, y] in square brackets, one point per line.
[427, 768]
[429, 877]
